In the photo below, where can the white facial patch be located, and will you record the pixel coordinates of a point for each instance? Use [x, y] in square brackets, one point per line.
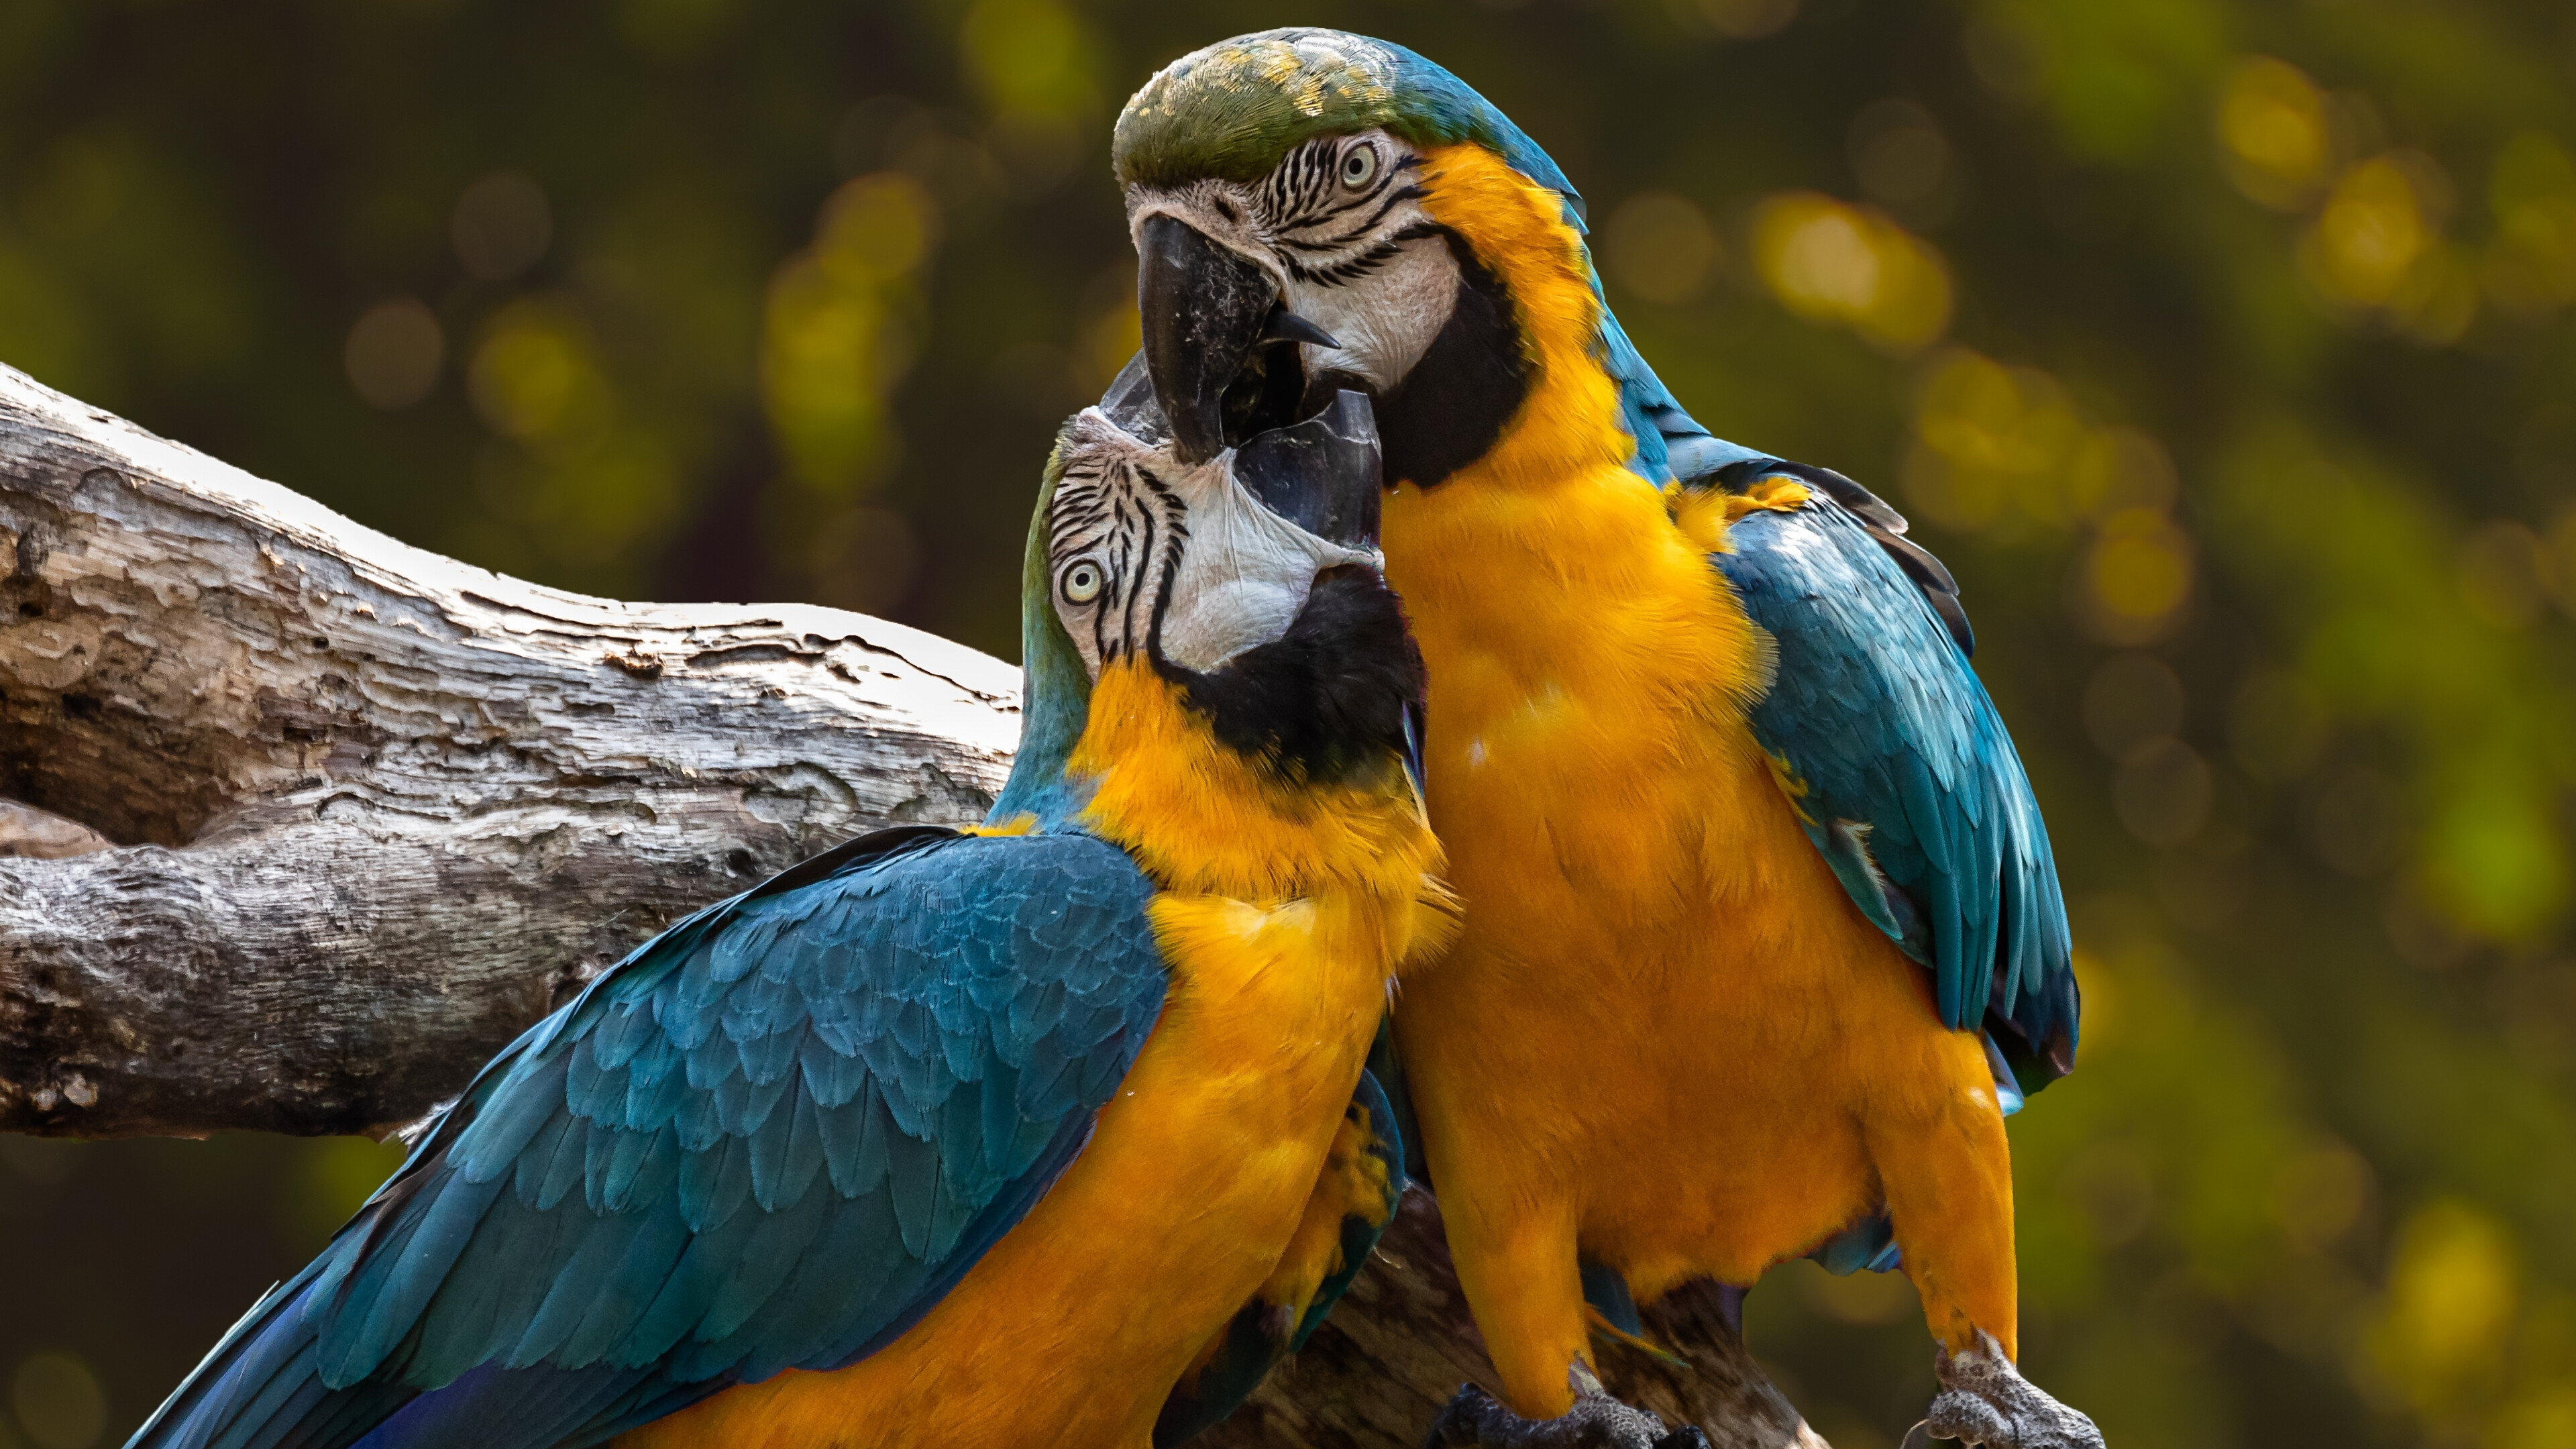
[1384, 321]
[1224, 212]
[1145, 549]
[1362, 261]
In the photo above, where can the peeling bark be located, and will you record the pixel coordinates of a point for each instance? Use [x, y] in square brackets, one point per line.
[305, 823]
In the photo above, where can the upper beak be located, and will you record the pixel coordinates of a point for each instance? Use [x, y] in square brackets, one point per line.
[1204, 309]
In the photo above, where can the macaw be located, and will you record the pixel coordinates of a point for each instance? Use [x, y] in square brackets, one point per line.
[1049, 1131]
[1763, 934]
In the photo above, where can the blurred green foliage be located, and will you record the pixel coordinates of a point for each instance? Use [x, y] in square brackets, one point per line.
[2224, 349]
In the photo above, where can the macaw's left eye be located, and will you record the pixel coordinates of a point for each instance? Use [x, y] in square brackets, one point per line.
[1359, 166]
[1082, 583]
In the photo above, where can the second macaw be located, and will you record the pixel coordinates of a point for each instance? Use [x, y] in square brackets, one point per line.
[1043, 1133]
[1763, 933]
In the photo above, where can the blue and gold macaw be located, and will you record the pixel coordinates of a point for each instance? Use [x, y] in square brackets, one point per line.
[1044, 1132]
[1763, 934]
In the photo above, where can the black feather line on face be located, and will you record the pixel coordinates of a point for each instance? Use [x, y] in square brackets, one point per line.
[1306, 191]
[1447, 411]
[1127, 520]
[1176, 537]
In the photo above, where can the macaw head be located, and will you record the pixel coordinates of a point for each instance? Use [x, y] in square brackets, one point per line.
[1248, 580]
[1315, 211]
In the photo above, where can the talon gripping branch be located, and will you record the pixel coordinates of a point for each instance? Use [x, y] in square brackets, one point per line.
[1763, 936]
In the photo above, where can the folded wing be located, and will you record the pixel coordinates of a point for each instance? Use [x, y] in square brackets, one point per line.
[1900, 769]
[772, 1137]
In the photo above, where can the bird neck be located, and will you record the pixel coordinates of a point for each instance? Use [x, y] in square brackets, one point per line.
[1203, 816]
[1568, 419]
[1547, 570]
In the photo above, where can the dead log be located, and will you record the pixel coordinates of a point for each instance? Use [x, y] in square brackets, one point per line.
[303, 824]
[373, 810]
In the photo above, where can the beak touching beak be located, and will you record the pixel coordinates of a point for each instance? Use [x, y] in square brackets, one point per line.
[1322, 474]
[1205, 310]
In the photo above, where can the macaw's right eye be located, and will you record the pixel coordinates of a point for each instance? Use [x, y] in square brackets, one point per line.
[1359, 166]
[1082, 583]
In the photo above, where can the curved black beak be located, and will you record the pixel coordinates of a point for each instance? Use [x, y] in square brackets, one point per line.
[1204, 309]
[1322, 474]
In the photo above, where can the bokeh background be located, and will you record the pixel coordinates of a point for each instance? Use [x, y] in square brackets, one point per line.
[2223, 348]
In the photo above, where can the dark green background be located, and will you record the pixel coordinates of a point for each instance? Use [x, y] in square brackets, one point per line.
[2241, 393]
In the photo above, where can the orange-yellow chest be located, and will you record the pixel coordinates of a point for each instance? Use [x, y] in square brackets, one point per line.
[1658, 978]
[1282, 917]
[1589, 669]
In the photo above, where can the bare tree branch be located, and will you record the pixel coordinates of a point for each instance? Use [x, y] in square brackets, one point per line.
[306, 823]
[375, 810]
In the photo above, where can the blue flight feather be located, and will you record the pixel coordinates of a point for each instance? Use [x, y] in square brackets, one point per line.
[686, 1179]
[1913, 791]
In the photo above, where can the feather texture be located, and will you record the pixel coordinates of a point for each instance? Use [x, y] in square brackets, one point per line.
[1902, 771]
[773, 1136]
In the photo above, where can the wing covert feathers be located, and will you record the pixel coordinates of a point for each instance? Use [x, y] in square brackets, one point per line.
[773, 1136]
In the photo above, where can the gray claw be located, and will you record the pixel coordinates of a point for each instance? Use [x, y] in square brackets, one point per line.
[1985, 1400]
[1476, 1419]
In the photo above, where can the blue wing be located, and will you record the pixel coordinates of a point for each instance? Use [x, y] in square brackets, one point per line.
[773, 1137]
[1907, 781]
[1900, 768]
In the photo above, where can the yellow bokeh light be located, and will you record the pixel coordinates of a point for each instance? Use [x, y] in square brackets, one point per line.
[2005, 449]
[2544, 1420]
[536, 380]
[835, 335]
[2137, 576]
[2450, 1306]
[1828, 261]
[2376, 248]
[2370, 235]
[1030, 56]
[875, 227]
[2272, 131]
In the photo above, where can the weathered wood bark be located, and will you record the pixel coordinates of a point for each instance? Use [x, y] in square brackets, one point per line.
[306, 823]
[375, 810]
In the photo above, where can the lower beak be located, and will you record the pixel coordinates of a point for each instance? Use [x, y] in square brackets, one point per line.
[1322, 474]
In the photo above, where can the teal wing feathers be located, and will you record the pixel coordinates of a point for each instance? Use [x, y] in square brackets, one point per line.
[1909, 783]
[773, 1137]
[1904, 775]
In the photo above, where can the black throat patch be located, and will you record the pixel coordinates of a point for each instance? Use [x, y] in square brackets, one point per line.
[1456, 401]
[1328, 700]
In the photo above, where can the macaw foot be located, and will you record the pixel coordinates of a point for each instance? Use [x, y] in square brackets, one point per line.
[1985, 1400]
[1477, 1420]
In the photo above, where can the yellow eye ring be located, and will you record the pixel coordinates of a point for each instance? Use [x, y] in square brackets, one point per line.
[1082, 582]
[1359, 166]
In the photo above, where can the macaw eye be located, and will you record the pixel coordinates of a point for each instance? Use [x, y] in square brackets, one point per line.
[1359, 166]
[1081, 583]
